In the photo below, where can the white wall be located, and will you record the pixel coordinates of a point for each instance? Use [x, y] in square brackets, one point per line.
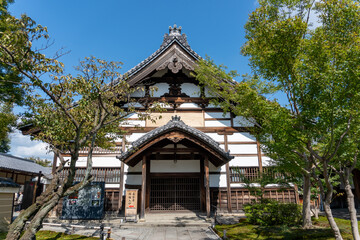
[218, 123]
[241, 137]
[190, 89]
[244, 162]
[163, 166]
[162, 88]
[242, 148]
[216, 115]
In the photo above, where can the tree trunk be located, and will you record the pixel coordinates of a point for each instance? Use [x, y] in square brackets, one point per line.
[306, 213]
[331, 219]
[18, 225]
[36, 222]
[352, 210]
[327, 200]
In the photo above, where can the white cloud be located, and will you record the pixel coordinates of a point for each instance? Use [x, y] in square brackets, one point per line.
[23, 146]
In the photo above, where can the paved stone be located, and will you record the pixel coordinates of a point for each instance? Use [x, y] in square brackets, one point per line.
[160, 226]
[145, 233]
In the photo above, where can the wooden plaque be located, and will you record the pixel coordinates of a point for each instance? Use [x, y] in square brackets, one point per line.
[131, 201]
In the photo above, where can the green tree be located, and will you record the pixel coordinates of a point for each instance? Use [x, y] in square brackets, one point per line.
[317, 70]
[71, 112]
[11, 93]
[42, 162]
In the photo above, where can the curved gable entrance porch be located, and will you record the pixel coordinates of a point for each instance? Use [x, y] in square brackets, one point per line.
[175, 167]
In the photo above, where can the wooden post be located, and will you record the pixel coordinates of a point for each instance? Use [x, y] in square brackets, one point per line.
[202, 189]
[207, 185]
[143, 188]
[228, 187]
[121, 187]
[296, 192]
[54, 164]
[259, 157]
[36, 186]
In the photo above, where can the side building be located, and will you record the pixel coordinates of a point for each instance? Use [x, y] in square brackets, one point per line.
[194, 157]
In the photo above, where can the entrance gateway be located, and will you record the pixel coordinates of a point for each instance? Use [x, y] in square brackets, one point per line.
[174, 194]
[175, 142]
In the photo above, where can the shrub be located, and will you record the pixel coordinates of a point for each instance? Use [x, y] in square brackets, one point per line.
[270, 213]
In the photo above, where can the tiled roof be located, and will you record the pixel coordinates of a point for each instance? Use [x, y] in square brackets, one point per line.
[175, 124]
[173, 36]
[10, 162]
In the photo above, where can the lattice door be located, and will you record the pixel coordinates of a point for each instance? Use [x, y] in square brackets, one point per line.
[174, 194]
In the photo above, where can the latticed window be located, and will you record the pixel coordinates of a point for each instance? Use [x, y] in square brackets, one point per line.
[107, 175]
[252, 174]
[243, 174]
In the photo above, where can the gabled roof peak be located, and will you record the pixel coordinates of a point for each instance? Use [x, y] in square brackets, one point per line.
[175, 32]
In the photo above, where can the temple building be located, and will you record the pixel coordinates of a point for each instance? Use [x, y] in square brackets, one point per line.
[194, 158]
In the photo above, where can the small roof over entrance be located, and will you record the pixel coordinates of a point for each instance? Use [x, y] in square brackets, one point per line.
[176, 131]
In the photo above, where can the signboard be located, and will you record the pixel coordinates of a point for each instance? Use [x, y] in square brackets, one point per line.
[88, 203]
[131, 203]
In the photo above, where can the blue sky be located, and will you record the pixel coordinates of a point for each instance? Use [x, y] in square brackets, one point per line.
[130, 31]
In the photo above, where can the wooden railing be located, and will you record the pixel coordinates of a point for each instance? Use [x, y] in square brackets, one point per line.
[99, 150]
[252, 174]
[107, 175]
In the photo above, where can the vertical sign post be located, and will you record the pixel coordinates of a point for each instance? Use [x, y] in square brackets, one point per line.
[131, 202]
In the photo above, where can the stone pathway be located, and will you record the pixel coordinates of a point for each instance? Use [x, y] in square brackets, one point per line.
[146, 233]
[159, 226]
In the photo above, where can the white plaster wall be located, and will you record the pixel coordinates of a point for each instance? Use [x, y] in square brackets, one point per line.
[164, 166]
[212, 168]
[216, 115]
[133, 137]
[216, 137]
[217, 180]
[133, 104]
[133, 115]
[106, 162]
[98, 161]
[136, 168]
[243, 148]
[162, 88]
[241, 137]
[164, 105]
[266, 161]
[212, 106]
[222, 146]
[188, 105]
[112, 185]
[218, 123]
[206, 92]
[133, 123]
[244, 162]
[132, 179]
[240, 121]
[139, 93]
[190, 89]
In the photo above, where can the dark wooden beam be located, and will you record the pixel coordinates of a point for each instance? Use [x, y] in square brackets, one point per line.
[202, 186]
[228, 187]
[143, 189]
[175, 150]
[121, 186]
[259, 156]
[227, 130]
[171, 156]
[207, 185]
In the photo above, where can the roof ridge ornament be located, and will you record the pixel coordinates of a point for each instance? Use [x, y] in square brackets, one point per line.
[175, 32]
[175, 118]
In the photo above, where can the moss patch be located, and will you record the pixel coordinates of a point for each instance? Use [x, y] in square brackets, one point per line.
[321, 230]
[50, 235]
